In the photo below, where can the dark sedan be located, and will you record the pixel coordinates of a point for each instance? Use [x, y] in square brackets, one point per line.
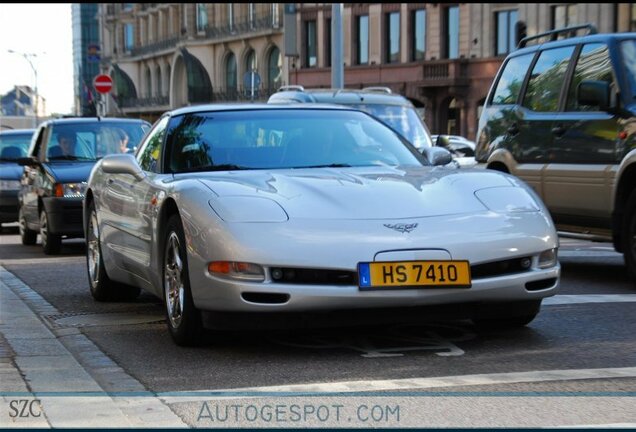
[59, 161]
[13, 146]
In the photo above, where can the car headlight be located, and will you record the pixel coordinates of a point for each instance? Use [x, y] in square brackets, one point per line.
[507, 199]
[237, 270]
[548, 258]
[9, 185]
[70, 190]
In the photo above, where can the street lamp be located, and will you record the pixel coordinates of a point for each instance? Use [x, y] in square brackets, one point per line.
[35, 73]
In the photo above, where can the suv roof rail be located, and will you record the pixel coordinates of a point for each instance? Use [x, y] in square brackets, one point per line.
[378, 89]
[291, 87]
[554, 34]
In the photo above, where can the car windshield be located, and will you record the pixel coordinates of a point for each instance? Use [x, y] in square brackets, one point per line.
[628, 48]
[14, 145]
[91, 141]
[403, 119]
[284, 138]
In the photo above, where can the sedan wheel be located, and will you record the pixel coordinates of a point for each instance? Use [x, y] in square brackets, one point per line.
[183, 318]
[51, 243]
[102, 287]
[28, 237]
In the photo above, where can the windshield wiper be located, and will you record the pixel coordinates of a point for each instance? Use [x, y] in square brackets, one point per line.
[71, 157]
[335, 165]
[221, 167]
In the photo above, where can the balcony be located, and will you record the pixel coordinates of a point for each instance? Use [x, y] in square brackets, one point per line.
[243, 26]
[442, 73]
[147, 102]
[155, 46]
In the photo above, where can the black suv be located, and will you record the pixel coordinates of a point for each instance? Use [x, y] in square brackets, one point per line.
[561, 116]
[56, 169]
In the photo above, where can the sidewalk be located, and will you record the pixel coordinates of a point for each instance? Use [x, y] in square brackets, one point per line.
[43, 384]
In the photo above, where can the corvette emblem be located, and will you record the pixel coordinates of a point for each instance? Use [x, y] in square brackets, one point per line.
[403, 228]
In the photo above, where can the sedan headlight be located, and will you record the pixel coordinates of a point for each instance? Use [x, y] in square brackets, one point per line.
[70, 190]
[507, 199]
[548, 258]
[9, 185]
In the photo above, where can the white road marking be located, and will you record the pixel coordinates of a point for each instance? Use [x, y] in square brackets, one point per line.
[588, 298]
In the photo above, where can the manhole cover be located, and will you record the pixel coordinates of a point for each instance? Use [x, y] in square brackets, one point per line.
[107, 319]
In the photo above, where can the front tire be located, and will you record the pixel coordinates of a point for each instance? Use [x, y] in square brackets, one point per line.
[27, 236]
[183, 318]
[102, 287]
[628, 234]
[51, 243]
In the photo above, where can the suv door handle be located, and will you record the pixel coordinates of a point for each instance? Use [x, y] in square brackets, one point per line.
[513, 129]
[558, 130]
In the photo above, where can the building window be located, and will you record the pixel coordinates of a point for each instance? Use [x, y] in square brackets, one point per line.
[230, 16]
[310, 44]
[563, 16]
[127, 6]
[250, 14]
[202, 17]
[148, 83]
[505, 31]
[158, 86]
[274, 68]
[328, 42]
[129, 37]
[250, 63]
[362, 39]
[230, 73]
[393, 37]
[167, 80]
[451, 50]
[275, 20]
[418, 22]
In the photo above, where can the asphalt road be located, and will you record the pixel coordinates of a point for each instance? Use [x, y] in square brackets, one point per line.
[589, 326]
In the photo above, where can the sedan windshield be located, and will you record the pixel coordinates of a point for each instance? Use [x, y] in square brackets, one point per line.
[14, 145]
[91, 141]
[284, 138]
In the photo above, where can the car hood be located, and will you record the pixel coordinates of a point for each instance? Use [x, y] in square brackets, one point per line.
[351, 193]
[70, 172]
[10, 171]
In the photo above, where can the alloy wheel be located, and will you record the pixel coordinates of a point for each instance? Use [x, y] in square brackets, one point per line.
[173, 280]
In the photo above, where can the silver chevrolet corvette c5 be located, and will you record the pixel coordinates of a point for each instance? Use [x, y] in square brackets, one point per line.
[265, 208]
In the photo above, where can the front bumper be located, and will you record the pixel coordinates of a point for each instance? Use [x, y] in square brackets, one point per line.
[8, 206]
[65, 216]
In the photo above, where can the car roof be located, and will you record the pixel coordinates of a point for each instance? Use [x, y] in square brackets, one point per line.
[600, 37]
[249, 106]
[80, 120]
[17, 131]
[340, 96]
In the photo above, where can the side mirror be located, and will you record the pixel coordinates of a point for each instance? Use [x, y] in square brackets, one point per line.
[28, 161]
[442, 141]
[437, 155]
[595, 93]
[122, 164]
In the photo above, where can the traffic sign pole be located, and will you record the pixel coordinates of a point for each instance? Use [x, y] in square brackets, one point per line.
[103, 84]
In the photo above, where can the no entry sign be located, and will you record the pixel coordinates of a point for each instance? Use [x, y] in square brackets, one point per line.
[103, 83]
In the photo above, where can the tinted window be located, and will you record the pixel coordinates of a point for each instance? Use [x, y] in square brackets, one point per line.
[91, 141]
[593, 64]
[14, 145]
[547, 79]
[628, 49]
[149, 154]
[509, 85]
[261, 139]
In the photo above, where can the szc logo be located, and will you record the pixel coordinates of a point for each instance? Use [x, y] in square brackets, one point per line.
[403, 228]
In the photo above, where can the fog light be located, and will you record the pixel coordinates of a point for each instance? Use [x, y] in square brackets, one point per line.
[548, 258]
[277, 274]
[237, 270]
[525, 263]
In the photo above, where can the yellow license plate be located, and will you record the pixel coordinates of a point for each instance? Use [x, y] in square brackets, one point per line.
[414, 274]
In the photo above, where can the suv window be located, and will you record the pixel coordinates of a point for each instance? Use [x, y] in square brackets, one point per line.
[593, 64]
[511, 80]
[628, 51]
[546, 79]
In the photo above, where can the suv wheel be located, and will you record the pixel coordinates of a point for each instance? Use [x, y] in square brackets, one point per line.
[51, 243]
[628, 233]
[28, 237]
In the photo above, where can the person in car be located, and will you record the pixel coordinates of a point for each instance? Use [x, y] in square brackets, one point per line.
[66, 146]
